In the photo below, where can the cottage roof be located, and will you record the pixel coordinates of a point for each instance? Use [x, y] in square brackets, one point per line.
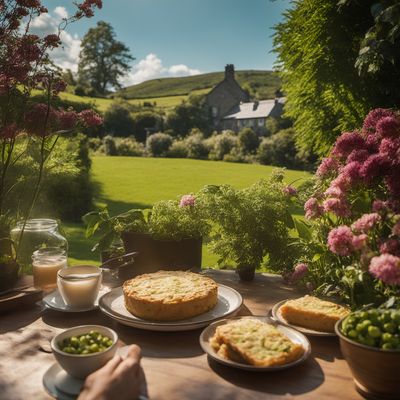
[260, 109]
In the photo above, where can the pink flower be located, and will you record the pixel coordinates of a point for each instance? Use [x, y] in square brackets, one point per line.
[299, 271]
[372, 143]
[9, 131]
[312, 208]
[375, 166]
[358, 155]
[348, 142]
[40, 119]
[360, 241]
[352, 172]
[67, 119]
[379, 206]
[90, 118]
[334, 191]
[366, 222]
[396, 229]
[341, 182]
[290, 190]
[374, 117]
[338, 206]
[188, 200]
[340, 241]
[388, 127]
[391, 246]
[327, 167]
[52, 40]
[392, 181]
[390, 148]
[386, 268]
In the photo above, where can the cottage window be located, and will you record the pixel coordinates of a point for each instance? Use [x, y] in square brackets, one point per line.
[260, 121]
[214, 111]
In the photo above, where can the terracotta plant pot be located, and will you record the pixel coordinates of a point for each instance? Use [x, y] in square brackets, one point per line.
[154, 255]
[9, 273]
[375, 371]
[246, 273]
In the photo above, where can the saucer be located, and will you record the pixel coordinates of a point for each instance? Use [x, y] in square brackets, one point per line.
[55, 301]
[60, 385]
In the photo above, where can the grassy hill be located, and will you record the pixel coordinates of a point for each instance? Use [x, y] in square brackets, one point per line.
[131, 182]
[260, 83]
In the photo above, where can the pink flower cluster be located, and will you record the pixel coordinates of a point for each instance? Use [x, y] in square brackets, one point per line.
[366, 223]
[386, 268]
[188, 200]
[343, 242]
[299, 271]
[290, 190]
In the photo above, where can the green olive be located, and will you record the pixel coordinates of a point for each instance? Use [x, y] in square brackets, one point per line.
[389, 327]
[374, 331]
[85, 344]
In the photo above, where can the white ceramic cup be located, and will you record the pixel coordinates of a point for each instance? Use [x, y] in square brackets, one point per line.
[79, 286]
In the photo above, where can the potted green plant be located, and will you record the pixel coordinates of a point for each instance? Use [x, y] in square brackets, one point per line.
[167, 236]
[250, 225]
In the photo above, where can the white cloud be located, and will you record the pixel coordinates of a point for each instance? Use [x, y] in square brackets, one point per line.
[151, 67]
[67, 55]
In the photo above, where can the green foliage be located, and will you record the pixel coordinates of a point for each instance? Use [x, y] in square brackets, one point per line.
[251, 224]
[66, 190]
[166, 220]
[110, 149]
[248, 140]
[192, 113]
[178, 149]
[195, 145]
[129, 147]
[103, 60]
[144, 121]
[318, 44]
[279, 150]
[260, 83]
[158, 144]
[221, 144]
[118, 120]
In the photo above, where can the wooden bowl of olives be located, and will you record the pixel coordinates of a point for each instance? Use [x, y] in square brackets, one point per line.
[84, 349]
[370, 343]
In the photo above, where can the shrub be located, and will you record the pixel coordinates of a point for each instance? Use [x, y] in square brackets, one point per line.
[222, 144]
[144, 121]
[129, 147]
[158, 144]
[196, 146]
[110, 149]
[178, 149]
[80, 91]
[94, 144]
[248, 141]
[279, 150]
[118, 120]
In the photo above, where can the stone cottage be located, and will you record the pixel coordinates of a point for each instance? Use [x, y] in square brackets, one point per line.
[230, 107]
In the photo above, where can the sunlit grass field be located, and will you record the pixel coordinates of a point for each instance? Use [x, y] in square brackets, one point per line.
[130, 182]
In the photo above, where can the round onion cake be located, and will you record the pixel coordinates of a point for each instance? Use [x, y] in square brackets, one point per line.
[169, 295]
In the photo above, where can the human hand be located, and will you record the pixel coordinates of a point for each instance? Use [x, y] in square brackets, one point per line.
[118, 379]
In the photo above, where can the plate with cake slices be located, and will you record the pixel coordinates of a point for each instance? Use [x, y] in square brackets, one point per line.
[255, 343]
[310, 315]
[170, 301]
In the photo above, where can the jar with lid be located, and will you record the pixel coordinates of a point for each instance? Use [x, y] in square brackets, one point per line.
[38, 233]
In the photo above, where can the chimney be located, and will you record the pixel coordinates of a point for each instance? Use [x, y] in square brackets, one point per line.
[229, 71]
[255, 105]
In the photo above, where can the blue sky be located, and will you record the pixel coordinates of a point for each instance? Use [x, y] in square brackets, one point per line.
[179, 37]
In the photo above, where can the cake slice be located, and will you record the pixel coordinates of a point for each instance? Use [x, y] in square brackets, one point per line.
[255, 342]
[311, 312]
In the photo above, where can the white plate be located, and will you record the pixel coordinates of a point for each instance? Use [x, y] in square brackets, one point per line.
[276, 313]
[229, 302]
[291, 333]
[54, 301]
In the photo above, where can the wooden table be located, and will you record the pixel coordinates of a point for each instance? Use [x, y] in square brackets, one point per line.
[174, 363]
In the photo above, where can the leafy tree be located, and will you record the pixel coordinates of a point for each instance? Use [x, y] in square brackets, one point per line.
[337, 60]
[188, 115]
[118, 120]
[103, 59]
[144, 122]
[248, 140]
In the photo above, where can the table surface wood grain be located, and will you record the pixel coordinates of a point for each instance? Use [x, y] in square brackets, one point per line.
[174, 363]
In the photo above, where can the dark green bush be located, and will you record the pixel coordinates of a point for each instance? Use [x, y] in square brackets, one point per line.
[118, 120]
[196, 146]
[158, 144]
[221, 144]
[248, 141]
[144, 122]
[110, 149]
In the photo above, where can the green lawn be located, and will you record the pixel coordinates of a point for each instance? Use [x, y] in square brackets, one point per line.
[130, 182]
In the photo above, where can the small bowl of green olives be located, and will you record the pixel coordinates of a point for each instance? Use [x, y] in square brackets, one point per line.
[370, 343]
[84, 349]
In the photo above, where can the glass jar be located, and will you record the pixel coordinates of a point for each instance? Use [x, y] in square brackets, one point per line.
[46, 263]
[38, 233]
